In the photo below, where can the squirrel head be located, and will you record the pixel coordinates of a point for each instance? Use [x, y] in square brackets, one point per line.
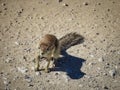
[45, 49]
[47, 44]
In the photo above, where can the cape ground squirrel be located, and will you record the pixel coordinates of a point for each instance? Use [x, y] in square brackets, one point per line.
[50, 47]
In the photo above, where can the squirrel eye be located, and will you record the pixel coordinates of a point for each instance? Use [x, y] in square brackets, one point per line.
[47, 49]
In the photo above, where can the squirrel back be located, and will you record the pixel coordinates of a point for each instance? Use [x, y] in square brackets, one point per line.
[69, 40]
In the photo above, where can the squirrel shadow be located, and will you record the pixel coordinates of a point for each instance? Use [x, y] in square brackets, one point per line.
[70, 64]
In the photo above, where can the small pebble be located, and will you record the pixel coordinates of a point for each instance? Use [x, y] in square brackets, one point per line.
[30, 85]
[42, 18]
[87, 76]
[0, 11]
[37, 73]
[20, 12]
[97, 33]
[47, 80]
[85, 3]
[28, 78]
[60, 0]
[6, 82]
[107, 64]
[91, 63]
[22, 69]
[24, 57]
[3, 4]
[116, 67]
[105, 87]
[8, 60]
[112, 73]
[99, 3]
[57, 73]
[105, 74]
[118, 52]
[65, 4]
[98, 68]
[80, 85]
[101, 59]
[16, 77]
[33, 68]
[92, 55]
[30, 17]
[5, 8]
[108, 10]
[27, 49]
[16, 43]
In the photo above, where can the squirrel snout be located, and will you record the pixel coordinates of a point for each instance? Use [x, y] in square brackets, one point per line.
[42, 53]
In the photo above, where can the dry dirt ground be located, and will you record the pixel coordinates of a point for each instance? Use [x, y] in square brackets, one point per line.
[91, 65]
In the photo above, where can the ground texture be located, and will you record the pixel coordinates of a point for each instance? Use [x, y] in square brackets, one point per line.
[91, 65]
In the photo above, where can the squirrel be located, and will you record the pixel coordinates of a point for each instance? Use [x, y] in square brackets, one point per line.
[50, 47]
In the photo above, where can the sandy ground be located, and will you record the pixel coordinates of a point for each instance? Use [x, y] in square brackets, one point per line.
[91, 65]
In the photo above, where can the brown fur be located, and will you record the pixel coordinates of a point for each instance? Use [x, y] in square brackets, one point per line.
[49, 49]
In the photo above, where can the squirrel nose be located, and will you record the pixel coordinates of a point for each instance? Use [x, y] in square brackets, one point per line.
[42, 53]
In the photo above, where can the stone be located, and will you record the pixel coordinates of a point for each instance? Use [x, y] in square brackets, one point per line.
[15, 77]
[6, 82]
[0, 12]
[85, 3]
[97, 33]
[105, 74]
[105, 87]
[91, 64]
[16, 43]
[3, 4]
[91, 55]
[8, 60]
[65, 4]
[60, 0]
[28, 78]
[56, 73]
[47, 80]
[30, 85]
[22, 69]
[37, 73]
[5, 8]
[101, 59]
[20, 12]
[80, 85]
[112, 72]
[32, 68]
[24, 57]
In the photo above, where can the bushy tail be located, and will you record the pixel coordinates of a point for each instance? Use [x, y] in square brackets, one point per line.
[69, 40]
